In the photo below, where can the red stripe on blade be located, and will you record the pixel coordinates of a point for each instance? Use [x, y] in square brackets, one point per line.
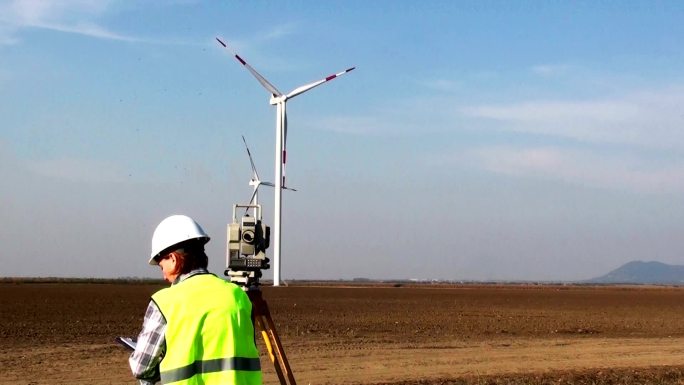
[240, 60]
[330, 77]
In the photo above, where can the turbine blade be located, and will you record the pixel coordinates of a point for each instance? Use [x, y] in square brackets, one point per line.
[253, 195]
[269, 184]
[252, 200]
[309, 86]
[270, 87]
[254, 170]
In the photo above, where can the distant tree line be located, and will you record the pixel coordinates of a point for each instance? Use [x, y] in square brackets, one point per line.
[122, 280]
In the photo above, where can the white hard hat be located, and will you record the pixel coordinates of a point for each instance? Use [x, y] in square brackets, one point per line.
[174, 230]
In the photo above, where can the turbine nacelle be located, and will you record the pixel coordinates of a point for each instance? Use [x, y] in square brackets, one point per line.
[255, 181]
[277, 99]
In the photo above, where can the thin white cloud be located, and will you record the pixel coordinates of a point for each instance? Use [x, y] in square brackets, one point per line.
[650, 118]
[548, 70]
[88, 29]
[581, 167]
[399, 121]
[278, 32]
[69, 16]
[627, 142]
[643, 119]
[355, 125]
[417, 116]
[445, 85]
[245, 45]
[33, 11]
[266, 63]
[78, 170]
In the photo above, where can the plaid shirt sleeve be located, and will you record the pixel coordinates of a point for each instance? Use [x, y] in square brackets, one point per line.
[151, 344]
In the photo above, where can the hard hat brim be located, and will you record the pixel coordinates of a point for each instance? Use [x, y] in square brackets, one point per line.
[153, 261]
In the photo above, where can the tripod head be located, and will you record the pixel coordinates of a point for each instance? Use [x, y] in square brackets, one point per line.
[248, 240]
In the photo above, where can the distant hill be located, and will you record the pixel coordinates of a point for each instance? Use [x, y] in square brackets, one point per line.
[638, 272]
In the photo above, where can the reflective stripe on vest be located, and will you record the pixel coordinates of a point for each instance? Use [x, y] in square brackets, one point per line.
[210, 366]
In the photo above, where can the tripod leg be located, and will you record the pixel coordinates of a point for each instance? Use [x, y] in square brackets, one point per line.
[264, 323]
[278, 348]
[261, 325]
[269, 347]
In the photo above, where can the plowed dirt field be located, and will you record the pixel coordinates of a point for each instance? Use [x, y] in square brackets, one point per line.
[63, 333]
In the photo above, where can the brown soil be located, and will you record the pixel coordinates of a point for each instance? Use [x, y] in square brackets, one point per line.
[62, 333]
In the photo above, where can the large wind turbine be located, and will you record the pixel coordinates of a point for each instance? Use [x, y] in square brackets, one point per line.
[279, 100]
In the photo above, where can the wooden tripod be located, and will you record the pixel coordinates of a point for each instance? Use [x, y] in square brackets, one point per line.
[264, 323]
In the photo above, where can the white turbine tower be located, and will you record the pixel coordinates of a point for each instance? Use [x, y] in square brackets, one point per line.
[279, 99]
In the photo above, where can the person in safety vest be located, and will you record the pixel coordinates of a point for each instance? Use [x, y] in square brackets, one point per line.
[199, 330]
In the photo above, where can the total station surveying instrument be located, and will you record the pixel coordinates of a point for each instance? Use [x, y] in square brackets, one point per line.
[248, 239]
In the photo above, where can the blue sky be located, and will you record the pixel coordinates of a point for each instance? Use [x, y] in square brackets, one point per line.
[475, 140]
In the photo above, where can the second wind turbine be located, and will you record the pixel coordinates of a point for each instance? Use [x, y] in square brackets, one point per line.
[279, 99]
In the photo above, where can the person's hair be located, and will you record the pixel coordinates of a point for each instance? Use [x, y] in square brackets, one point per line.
[190, 255]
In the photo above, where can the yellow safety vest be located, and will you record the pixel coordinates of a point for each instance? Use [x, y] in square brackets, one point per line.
[209, 333]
